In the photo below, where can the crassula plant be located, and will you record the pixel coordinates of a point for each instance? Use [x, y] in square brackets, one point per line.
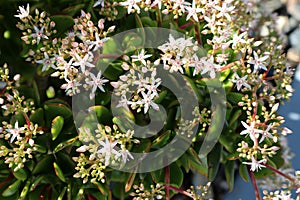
[120, 99]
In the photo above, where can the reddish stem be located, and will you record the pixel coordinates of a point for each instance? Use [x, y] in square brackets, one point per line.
[167, 180]
[228, 66]
[279, 172]
[253, 180]
[9, 178]
[179, 191]
[186, 25]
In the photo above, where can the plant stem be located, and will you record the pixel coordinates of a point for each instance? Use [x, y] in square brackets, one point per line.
[179, 191]
[279, 172]
[167, 180]
[253, 180]
[198, 34]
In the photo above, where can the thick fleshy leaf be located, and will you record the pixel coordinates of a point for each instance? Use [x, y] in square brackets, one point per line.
[213, 160]
[229, 173]
[59, 173]
[62, 23]
[12, 189]
[161, 140]
[56, 127]
[20, 174]
[43, 165]
[244, 172]
[176, 175]
[65, 144]
[38, 117]
[234, 97]
[25, 190]
[62, 194]
[129, 182]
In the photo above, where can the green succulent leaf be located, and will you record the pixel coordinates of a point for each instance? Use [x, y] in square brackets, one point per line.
[12, 189]
[57, 125]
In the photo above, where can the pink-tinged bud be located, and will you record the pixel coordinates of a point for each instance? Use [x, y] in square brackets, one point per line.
[52, 24]
[24, 38]
[9, 97]
[123, 78]
[55, 74]
[111, 29]
[157, 62]
[125, 66]
[115, 84]
[274, 148]
[31, 142]
[1, 102]
[275, 107]
[286, 131]
[17, 77]
[165, 12]
[101, 24]
[81, 149]
[144, 69]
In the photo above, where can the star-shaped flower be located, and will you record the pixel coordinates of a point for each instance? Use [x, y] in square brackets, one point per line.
[241, 82]
[39, 34]
[141, 57]
[258, 62]
[108, 150]
[193, 12]
[83, 62]
[47, 62]
[23, 13]
[15, 131]
[251, 131]
[130, 5]
[255, 165]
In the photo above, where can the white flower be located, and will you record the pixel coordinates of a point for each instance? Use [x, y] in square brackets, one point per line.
[141, 57]
[197, 64]
[83, 62]
[108, 150]
[131, 4]
[39, 34]
[224, 11]
[284, 195]
[266, 133]
[47, 62]
[182, 4]
[99, 2]
[193, 12]
[97, 44]
[22, 12]
[71, 85]
[157, 2]
[251, 131]
[97, 82]
[147, 101]
[255, 165]
[125, 155]
[238, 39]
[210, 67]
[258, 62]
[15, 131]
[241, 82]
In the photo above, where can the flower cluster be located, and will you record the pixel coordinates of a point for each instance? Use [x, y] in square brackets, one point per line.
[223, 42]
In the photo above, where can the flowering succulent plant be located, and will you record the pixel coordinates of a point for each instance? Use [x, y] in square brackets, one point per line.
[123, 98]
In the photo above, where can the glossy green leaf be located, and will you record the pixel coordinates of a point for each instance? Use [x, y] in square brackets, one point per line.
[12, 189]
[234, 97]
[194, 88]
[129, 182]
[244, 172]
[234, 117]
[161, 140]
[65, 144]
[229, 174]
[62, 23]
[43, 165]
[59, 173]
[103, 188]
[25, 190]
[176, 175]
[62, 194]
[80, 194]
[103, 114]
[158, 175]
[20, 174]
[57, 125]
[38, 117]
[213, 160]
